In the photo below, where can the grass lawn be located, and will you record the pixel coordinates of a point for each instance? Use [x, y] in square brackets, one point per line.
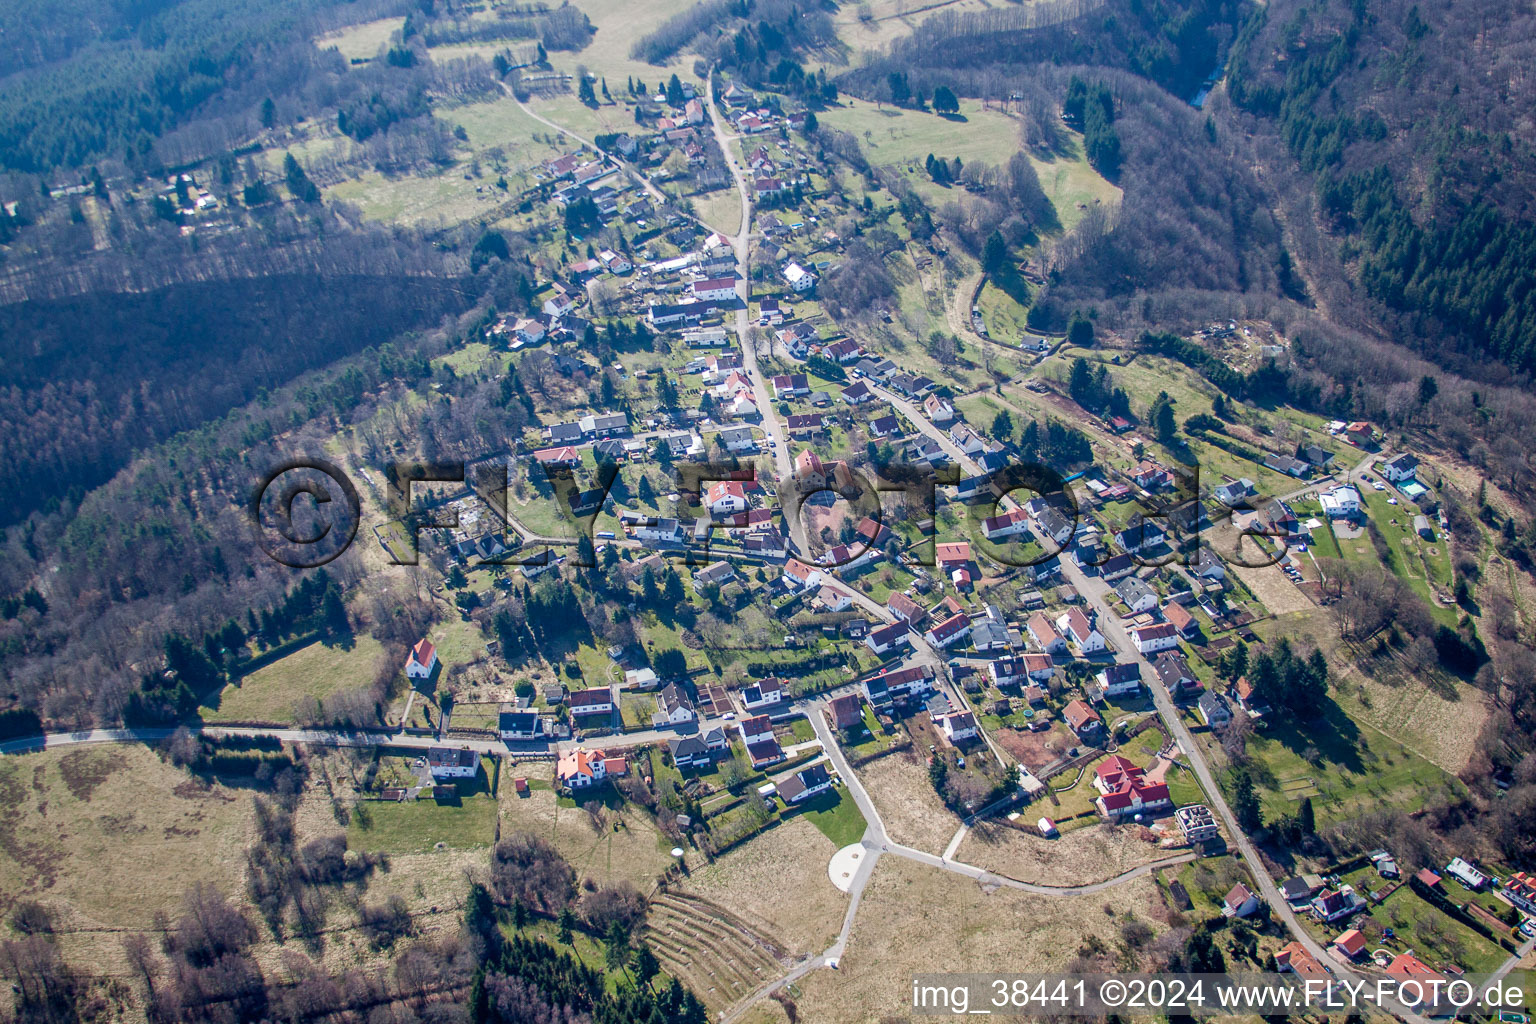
[836, 816]
[1003, 316]
[272, 693]
[1433, 935]
[362, 40]
[720, 209]
[417, 826]
[1343, 765]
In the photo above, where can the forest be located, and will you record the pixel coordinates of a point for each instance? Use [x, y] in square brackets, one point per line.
[1383, 107]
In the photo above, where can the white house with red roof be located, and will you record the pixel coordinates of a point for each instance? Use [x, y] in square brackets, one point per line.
[422, 661]
[949, 632]
[716, 289]
[952, 556]
[1125, 790]
[726, 497]
[1076, 627]
[1009, 524]
[799, 576]
[580, 769]
[1160, 636]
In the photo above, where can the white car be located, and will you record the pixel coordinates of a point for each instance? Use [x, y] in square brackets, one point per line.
[1391, 501]
[729, 716]
[1378, 485]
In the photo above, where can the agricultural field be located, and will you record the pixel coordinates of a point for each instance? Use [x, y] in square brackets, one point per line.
[778, 880]
[277, 692]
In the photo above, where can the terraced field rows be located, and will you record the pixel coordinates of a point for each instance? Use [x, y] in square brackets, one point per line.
[709, 949]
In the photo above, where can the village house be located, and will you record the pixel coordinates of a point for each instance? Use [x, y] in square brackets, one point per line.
[1119, 680]
[847, 711]
[422, 661]
[949, 632]
[1215, 711]
[1125, 791]
[884, 638]
[1138, 597]
[958, 726]
[762, 695]
[1159, 636]
[1239, 902]
[1076, 627]
[1044, 634]
[1084, 722]
[518, 725]
[673, 707]
[805, 784]
[580, 769]
[597, 700]
[452, 763]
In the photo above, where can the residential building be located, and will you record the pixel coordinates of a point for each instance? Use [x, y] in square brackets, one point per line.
[690, 752]
[762, 695]
[1294, 958]
[1197, 823]
[950, 631]
[1044, 634]
[518, 725]
[726, 497]
[1341, 502]
[422, 661]
[885, 638]
[798, 278]
[452, 763]
[1136, 594]
[597, 700]
[1239, 902]
[673, 706]
[903, 607]
[1119, 680]
[1180, 619]
[958, 726]
[1215, 710]
[1083, 721]
[580, 769]
[1124, 789]
[1401, 468]
[1076, 627]
[805, 784]
[1159, 636]
[715, 289]
[847, 711]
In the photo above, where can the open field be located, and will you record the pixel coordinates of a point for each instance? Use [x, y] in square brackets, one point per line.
[778, 881]
[625, 846]
[361, 40]
[272, 693]
[1345, 766]
[877, 24]
[1080, 857]
[423, 825]
[898, 934]
[913, 813]
[108, 836]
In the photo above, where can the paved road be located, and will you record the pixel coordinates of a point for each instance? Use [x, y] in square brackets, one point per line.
[762, 394]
